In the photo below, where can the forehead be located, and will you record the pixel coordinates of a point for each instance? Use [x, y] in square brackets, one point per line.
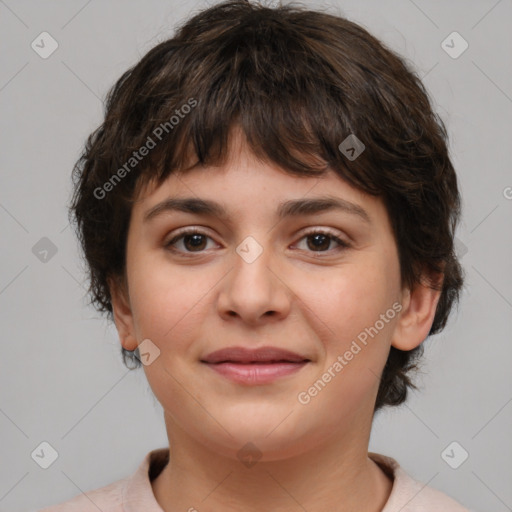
[244, 184]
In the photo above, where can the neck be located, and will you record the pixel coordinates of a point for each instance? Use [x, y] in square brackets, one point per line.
[336, 475]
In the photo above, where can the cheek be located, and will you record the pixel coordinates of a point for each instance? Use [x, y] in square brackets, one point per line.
[167, 301]
[349, 305]
[350, 299]
[347, 311]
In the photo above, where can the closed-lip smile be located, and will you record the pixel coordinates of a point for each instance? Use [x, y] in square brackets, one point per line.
[255, 366]
[258, 355]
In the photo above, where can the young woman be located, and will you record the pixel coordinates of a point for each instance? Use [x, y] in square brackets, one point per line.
[268, 213]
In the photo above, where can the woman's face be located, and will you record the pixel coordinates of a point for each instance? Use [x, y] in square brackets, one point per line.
[253, 278]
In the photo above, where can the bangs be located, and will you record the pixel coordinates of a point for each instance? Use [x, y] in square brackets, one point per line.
[292, 107]
[298, 136]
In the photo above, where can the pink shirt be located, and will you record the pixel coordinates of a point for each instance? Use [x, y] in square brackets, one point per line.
[135, 494]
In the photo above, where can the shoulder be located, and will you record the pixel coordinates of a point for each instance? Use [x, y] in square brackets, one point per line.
[107, 499]
[410, 495]
[129, 494]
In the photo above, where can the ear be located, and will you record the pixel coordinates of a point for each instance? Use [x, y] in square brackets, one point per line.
[417, 315]
[122, 312]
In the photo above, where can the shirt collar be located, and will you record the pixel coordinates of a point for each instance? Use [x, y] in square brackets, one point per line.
[138, 493]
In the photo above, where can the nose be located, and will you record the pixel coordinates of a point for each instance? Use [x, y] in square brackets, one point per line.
[254, 291]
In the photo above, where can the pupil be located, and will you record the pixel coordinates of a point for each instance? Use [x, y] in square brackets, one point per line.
[197, 242]
[316, 237]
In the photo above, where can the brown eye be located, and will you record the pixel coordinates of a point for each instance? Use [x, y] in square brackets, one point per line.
[192, 241]
[320, 241]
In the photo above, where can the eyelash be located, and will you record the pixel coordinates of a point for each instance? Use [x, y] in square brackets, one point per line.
[193, 231]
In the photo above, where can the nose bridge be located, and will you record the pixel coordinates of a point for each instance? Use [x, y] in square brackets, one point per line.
[252, 289]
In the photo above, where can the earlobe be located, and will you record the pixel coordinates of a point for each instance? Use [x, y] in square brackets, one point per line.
[122, 313]
[416, 317]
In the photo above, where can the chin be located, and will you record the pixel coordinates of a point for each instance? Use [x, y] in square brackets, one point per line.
[264, 438]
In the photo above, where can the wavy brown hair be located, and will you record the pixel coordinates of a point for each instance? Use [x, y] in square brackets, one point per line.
[297, 82]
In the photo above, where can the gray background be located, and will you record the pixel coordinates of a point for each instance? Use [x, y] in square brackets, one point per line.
[62, 379]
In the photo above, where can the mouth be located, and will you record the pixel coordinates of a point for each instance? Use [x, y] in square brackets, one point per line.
[263, 355]
[256, 366]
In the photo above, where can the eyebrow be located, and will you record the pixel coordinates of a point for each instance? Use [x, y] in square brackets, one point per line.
[292, 208]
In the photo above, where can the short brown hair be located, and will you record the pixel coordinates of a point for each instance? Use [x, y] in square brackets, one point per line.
[297, 82]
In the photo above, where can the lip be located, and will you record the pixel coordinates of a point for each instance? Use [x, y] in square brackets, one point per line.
[256, 373]
[255, 366]
[257, 355]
